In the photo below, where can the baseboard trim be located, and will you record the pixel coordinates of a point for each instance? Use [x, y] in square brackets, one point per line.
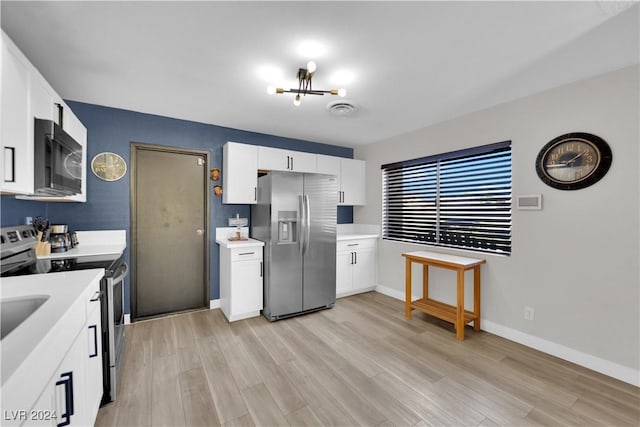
[606, 367]
[214, 303]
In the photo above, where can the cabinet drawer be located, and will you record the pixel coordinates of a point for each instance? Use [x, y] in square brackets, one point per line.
[245, 254]
[354, 245]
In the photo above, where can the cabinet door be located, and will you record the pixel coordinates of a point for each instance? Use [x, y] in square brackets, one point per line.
[331, 166]
[303, 162]
[246, 286]
[63, 399]
[344, 266]
[240, 173]
[352, 181]
[16, 132]
[364, 269]
[274, 159]
[93, 359]
[42, 98]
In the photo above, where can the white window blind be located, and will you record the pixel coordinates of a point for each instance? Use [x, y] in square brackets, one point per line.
[460, 199]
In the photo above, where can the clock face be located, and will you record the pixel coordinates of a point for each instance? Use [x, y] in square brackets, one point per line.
[108, 166]
[573, 161]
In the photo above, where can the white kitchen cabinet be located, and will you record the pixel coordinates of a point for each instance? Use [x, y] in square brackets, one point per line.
[26, 95]
[93, 359]
[355, 266]
[240, 173]
[351, 178]
[16, 131]
[63, 400]
[241, 274]
[277, 159]
[352, 182]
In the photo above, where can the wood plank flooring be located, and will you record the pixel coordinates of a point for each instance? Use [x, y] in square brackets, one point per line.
[360, 363]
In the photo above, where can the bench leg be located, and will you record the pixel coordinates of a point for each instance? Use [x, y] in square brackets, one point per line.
[476, 297]
[407, 298]
[460, 307]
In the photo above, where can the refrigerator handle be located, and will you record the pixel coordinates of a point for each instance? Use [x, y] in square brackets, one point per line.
[302, 233]
[307, 223]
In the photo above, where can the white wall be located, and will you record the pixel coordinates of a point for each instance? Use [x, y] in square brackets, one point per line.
[576, 262]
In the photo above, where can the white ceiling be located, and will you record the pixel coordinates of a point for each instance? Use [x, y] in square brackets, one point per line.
[413, 63]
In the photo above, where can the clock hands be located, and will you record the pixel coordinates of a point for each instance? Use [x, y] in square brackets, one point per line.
[565, 164]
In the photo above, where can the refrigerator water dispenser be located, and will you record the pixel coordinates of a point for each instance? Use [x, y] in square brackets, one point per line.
[287, 227]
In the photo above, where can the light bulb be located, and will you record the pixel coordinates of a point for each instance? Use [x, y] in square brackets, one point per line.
[271, 90]
[311, 66]
[296, 100]
[342, 92]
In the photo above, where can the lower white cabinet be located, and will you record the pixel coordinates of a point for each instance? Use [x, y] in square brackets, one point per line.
[63, 401]
[73, 394]
[241, 272]
[355, 266]
[93, 359]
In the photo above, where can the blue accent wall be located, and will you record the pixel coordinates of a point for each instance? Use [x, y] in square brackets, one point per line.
[107, 206]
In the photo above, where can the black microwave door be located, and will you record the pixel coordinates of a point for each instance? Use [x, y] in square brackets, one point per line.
[66, 167]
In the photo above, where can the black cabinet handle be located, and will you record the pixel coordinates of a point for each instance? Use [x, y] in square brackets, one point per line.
[67, 382]
[261, 269]
[355, 257]
[255, 193]
[95, 341]
[288, 167]
[97, 296]
[291, 163]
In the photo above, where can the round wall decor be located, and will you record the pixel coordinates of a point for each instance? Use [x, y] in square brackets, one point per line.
[573, 161]
[108, 166]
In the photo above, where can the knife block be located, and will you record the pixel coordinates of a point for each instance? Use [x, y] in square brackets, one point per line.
[42, 248]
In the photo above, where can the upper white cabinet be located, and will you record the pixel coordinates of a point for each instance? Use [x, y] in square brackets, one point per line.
[240, 173]
[16, 130]
[277, 159]
[351, 178]
[26, 95]
[352, 181]
[241, 163]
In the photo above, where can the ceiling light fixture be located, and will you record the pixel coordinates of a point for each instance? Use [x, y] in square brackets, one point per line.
[304, 77]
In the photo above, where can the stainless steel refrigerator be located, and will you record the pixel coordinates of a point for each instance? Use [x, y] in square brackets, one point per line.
[296, 216]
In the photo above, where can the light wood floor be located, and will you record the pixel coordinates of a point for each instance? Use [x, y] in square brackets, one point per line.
[360, 363]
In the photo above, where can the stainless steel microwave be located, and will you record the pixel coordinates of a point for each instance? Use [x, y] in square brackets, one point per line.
[58, 161]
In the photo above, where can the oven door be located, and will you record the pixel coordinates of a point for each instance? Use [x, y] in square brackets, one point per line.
[115, 331]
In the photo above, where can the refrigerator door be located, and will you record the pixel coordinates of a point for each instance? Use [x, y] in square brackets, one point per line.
[283, 280]
[319, 276]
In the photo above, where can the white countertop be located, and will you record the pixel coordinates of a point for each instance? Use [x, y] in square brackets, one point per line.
[91, 243]
[231, 244]
[40, 333]
[356, 236]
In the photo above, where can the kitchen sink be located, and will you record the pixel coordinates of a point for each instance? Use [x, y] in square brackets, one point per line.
[14, 311]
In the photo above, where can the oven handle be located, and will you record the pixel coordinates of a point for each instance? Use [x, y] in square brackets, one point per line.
[125, 271]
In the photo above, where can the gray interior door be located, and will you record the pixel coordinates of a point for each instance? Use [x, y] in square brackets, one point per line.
[169, 230]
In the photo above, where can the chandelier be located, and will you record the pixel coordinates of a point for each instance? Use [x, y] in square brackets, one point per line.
[304, 77]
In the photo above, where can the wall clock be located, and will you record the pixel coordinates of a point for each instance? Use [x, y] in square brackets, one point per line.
[573, 161]
[108, 166]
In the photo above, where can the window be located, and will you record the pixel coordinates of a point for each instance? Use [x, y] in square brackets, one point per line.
[460, 199]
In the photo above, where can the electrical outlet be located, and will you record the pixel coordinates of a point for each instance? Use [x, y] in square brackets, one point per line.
[28, 220]
[529, 313]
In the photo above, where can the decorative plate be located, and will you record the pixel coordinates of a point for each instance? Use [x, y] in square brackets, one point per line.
[108, 166]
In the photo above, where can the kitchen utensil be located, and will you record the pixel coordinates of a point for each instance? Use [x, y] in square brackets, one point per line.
[40, 223]
[42, 248]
